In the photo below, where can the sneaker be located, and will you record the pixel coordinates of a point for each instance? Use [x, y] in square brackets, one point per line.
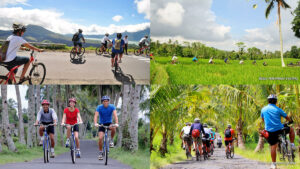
[41, 141]
[100, 157]
[111, 144]
[273, 166]
[67, 143]
[78, 153]
[52, 154]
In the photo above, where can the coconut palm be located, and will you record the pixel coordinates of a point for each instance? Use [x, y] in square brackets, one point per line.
[271, 5]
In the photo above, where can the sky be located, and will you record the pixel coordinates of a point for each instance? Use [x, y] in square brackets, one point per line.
[67, 16]
[221, 23]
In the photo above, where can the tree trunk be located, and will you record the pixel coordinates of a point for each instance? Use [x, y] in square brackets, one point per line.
[280, 34]
[5, 120]
[60, 109]
[31, 109]
[54, 103]
[48, 92]
[37, 105]
[20, 115]
[260, 144]
[163, 146]
[99, 93]
[240, 125]
[123, 116]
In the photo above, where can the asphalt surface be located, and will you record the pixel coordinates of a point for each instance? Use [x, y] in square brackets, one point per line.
[88, 160]
[94, 70]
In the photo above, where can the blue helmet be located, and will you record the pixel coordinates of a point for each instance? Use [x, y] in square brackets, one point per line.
[105, 98]
[272, 96]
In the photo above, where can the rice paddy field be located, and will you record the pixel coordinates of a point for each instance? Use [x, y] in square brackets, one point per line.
[188, 72]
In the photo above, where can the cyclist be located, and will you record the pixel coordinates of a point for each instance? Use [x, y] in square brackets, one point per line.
[226, 60]
[242, 62]
[195, 132]
[105, 111]
[271, 115]
[72, 116]
[265, 64]
[195, 59]
[126, 44]
[104, 41]
[219, 141]
[185, 135]
[213, 136]
[254, 62]
[207, 137]
[15, 42]
[117, 48]
[47, 116]
[211, 61]
[143, 41]
[174, 59]
[228, 137]
[77, 40]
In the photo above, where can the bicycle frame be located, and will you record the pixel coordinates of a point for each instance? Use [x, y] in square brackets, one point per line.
[143, 48]
[47, 139]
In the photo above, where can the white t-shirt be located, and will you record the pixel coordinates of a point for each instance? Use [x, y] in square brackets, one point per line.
[186, 130]
[126, 40]
[241, 62]
[210, 60]
[105, 39]
[174, 58]
[207, 131]
[14, 45]
[144, 40]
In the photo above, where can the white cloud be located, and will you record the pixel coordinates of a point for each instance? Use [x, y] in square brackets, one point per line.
[143, 6]
[4, 3]
[117, 18]
[172, 14]
[54, 21]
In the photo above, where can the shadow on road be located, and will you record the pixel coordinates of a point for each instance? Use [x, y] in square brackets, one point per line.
[78, 61]
[121, 77]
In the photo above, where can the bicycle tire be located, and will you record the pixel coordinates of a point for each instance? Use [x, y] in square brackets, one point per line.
[147, 52]
[108, 51]
[187, 153]
[283, 151]
[232, 152]
[106, 151]
[72, 148]
[197, 155]
[3, 79]
[289, 151]
[98, 51]
[72, 54]
[33, 73]
[48, 149]
[45, 149]
[116, 66]
[137, 52]
[82, 51]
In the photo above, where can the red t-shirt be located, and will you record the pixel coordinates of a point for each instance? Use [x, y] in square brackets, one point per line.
[71, 117]
[232, 133]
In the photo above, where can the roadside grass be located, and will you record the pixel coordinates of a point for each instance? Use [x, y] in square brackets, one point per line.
[25, 154]
[137, 160]
[187, 72]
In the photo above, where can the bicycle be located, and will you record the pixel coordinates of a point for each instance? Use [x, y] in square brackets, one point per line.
[140, 51]
[72, 142]
[116, 64]
[37, 73]
[230, 150]
[73, 52]
[198, 155]
[99, 50]
[46, 142]
[204, 149]
[212, 147]
[106, 141]
[284, 146]
[186, 147]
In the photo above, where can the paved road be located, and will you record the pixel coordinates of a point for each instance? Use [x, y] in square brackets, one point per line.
[89, 160]
[95, 70]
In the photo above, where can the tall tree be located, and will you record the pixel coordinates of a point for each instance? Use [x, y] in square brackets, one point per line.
[20, 115]
[5, 120]
[284, 5]
[31, 119]
[296, 21]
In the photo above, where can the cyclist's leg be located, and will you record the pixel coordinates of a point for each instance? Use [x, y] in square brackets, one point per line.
[76, 130]
[101, 136]
[50, 132]
[226, 146]
[68, 132]
[80, 46]
[112, 59]
[273, 140]
[292, 134]
[21, 61]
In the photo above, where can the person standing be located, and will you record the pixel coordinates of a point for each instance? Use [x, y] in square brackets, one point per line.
[126, 44]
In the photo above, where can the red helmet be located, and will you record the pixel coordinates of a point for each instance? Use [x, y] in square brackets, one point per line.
[45, 102]
[195, 133]
[72, 100]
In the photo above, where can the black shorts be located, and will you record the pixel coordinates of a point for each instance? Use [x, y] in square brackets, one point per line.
[188, 139]
[19, 60]
[113, 55]
[104, 44]
[141, 45]
[274, 136]
[77, 44]
[227, 142]
[206, 142]
[76, 128]
[50, 129]
[102, 129]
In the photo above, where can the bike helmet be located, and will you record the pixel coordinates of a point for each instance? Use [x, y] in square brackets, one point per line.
[195, 133]
[204, 125]
[197, 120]
[18, 26]
[187, 123]
[272, 96]
[229, 125]
[105, 98]
[80, 30]
[45, 102]
[126, 36]
[119, 35]
[146, 36]
[107, 34]
[72, 100]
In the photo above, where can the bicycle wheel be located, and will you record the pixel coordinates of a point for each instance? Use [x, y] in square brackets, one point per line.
[37, 74]
[106, 150]
[289, 151]
[73, 54]
[137, 52]
[72, 148]
[116, 66]
[232, 152]
[98, 51]
[48, 149]
[108, 51]
[147, 52]
[3, 80]
[45, 149]
[197, 154]
[227, 152]
[283, 151]
[187, 153]
[82, 51]
[211, 149]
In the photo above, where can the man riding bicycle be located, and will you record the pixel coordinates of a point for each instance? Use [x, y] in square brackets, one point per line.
[185, 135]
[228, 137]
[104, 42]
[271, 115]
[47, 116]
[117, 48]
[195, 132]
[15, 42]
[72, 116]
[207, 137]
[77, 40]
[105, 111]
[143, 41]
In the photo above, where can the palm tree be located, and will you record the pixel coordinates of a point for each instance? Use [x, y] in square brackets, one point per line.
[284, 5]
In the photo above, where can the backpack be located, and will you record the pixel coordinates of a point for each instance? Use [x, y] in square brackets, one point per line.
[227, 133]
[75, 37]
[117, 44]
[3, 51]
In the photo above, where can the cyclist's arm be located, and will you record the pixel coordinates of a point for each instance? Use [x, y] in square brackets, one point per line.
[83, 39]
[27, 45]
[288, 119]
[63, 119]
[180, 134]
[116, 116]
[54, 116]
[38, 118]
[96, 117]
[79, 118]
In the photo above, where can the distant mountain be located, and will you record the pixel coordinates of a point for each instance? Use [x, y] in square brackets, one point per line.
[36, 33]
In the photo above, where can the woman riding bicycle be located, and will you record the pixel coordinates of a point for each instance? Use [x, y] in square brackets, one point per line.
[15, 42]
[72, 116]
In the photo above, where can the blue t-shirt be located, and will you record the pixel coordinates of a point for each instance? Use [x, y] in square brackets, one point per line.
[195, 59]
[105, 113]
[272, 117]
[80, 36]
[116, 49]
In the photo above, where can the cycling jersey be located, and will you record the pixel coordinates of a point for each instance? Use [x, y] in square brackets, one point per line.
[186, 130]
[105, 113]
[197, 126]
[210, 61]
[80, 36]
[272, 117]
[71, 117]
[105, 39]
[144, 40]
[195, 59]
[207, 133]
[174, 58]
[14, 45]
[46, 117]
[118, 45]
[232, 133]
[213, 135]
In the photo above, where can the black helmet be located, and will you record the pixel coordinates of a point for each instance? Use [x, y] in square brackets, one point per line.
[146, 36]
[119, 35]
[18, 26]
[80, 30]
[107, 34]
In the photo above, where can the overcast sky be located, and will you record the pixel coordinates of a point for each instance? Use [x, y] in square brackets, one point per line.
[67, 16]
[221, 23]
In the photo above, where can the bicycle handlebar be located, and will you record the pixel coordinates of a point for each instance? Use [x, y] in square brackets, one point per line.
[112, 125]
[45, 125]
[70, 124]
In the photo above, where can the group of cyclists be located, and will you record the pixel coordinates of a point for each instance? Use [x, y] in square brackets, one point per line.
[104, 114]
